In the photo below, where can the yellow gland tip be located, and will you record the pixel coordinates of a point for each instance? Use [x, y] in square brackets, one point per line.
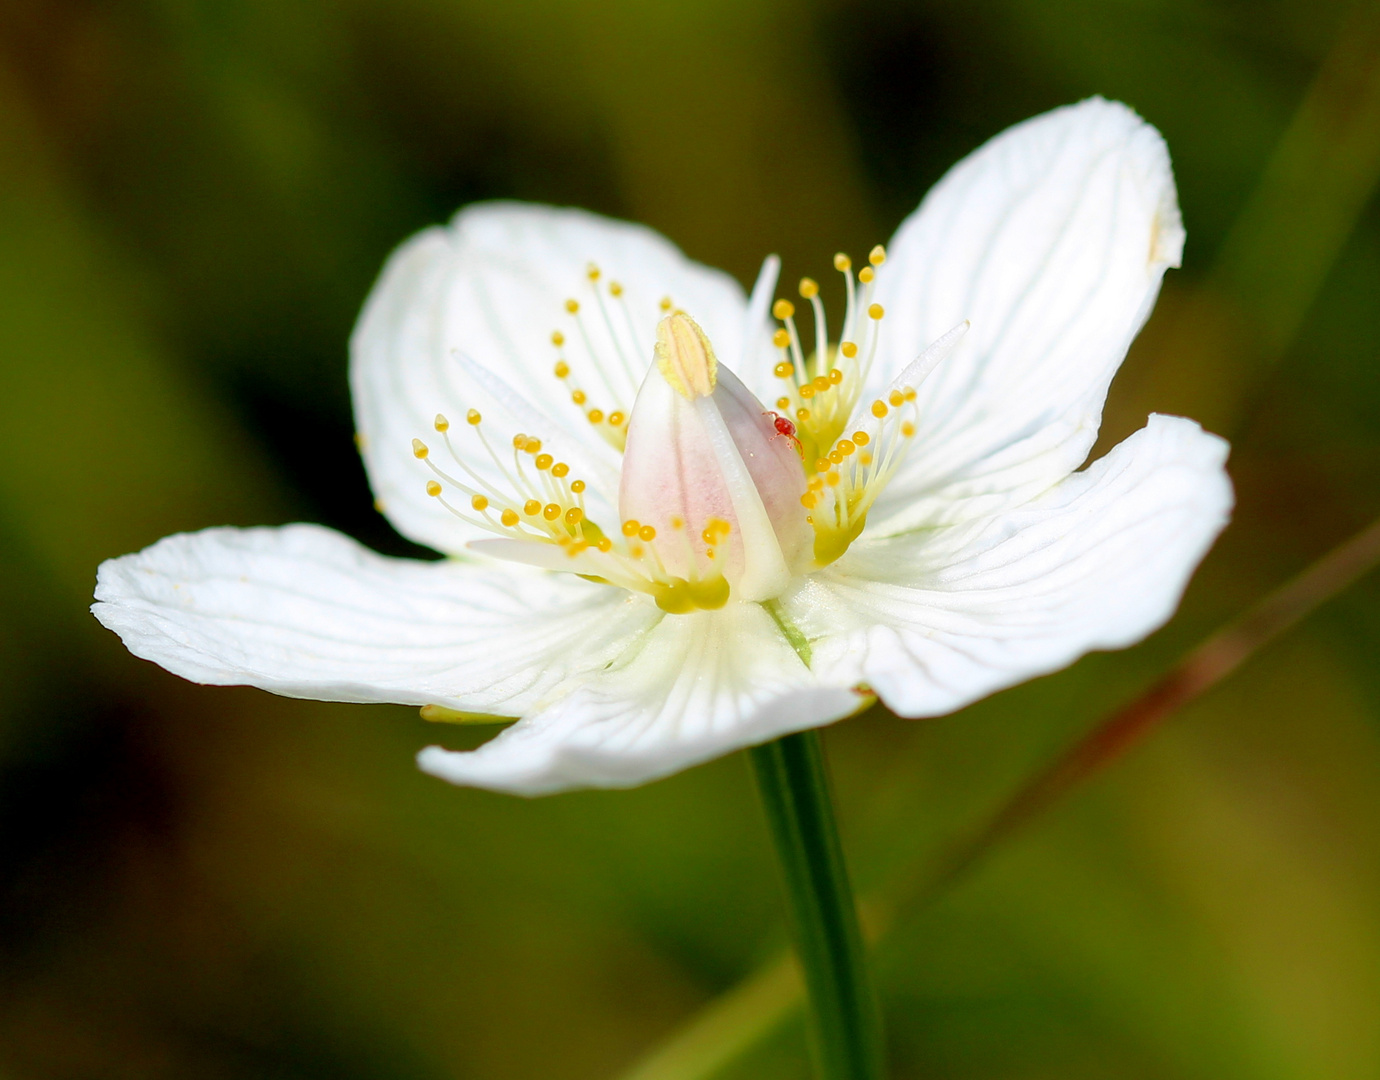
[809, 288]
[631, 526]
[646, 533]
[861, 438]
[572, 306]
[531, 508]
[822, 465]
[616, 418]
[784, 370]
[544, 462]
[783, 403]
[897, 399]
[866, 274]
[419, 448]
[845, 447]
[877, 255]
[808, 390]
[472, 418]
[433, 488]
[509, 518]
[577, 486]
[557, 338]
[442, 424]
[842, 262]
[615, 289]
[562, 369]
[605, 544]
[781, 339]
[875, 311]
[519, 441]
[551, 511]
[596, 416]
[848, 349]
[879, 409]
[479, 502]
[578, 397]
[559, 469]
[665, 303]
[907, 429]
[533, 445]
[835, 376]
[593, 272]
[574, 516]
[782, 309]
[802, 415]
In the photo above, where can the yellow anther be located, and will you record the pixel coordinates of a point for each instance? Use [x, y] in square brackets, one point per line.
[821, 383]
[781, 338]
[646, 533]
[479, 502]
[832, 478]
[419, 448]
[531, 508]
[875, 311]
[596, 416]
[433, 488]
[519, 441]
[835, 376]
[509, 518]
[631, 526]
[784, 370]
[808, 500]
[572, 306]
[665, 303]
[592, 271]
[782, 309]
[562, 369]
[848, 349]
[605, 544]
[866, 274]
[442, 424]
[909, 391]
[809, 288]
[685, 357]
[557, 338]
[896, 398]
[835, 456]
[844, 447]
[544, 461]
[879, 409]
[533, 445]
[822, 465]
[907, 429]
[559, 469]
[710, 537]
[616, 418]
[861, 438]
[578, 397]
[802, 415]
[615, 289]
[472, 418]
[551, 511]
[574, 516]
[677, 523]
[877, 255]
[577, 486]
[783, 403]
[864, 459]
[636, 550]
[842, 262]
[808, 390]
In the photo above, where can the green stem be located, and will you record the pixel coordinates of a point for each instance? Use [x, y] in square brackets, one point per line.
[846, 1033]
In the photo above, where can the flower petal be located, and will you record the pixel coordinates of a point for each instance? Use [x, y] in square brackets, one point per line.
[306, 612]
[933, 620]
[696, 687]
[1052, 240]
[462, 318]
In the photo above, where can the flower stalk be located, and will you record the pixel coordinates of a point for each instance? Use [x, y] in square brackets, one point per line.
[845, 1024]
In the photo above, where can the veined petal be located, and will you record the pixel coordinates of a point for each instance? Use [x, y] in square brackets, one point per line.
[1052, 240]
[694, 688]
[935, 619]
[462, 318]
[306, 612]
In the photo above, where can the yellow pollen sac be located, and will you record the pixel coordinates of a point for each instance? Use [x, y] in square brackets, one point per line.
[907, 429]
[551, 511]
[593, 272]
[605, 544]
[677, 523]
[684, 356]
[802, 414]
[433, 488]
[574, 516]
[832, 479]
[784, 370]
[879, 409]
[845, 447]
[783, 403]
[615, 289]
[544, 461]
[864, 458]
[861, 438]
[866, 274]
[557, 338]
[616, 418]
[808, 390]
[782, 309]
[781, 339]
[419, 448]
[442, 424]
[821, 383]
[848, 349]
[835, 376]
[630, 527]
[710, 537]
[897, 399]
[877, 255]
[479, 502]
[562, 369]
[875, 311]
[646, 533]
[809, 288]
[572, 306]
[509, 518]
[531, 508]
[665, 303]
[822, 465]
[596, 416]
[578, 397]
[559, 469]
[909, 391]
[836, 455]
[472, 418]
[577, 486]
[808, 500]
[519, 441]
[842, 262]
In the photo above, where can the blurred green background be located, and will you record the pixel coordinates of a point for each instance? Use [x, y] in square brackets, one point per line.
[195, 196]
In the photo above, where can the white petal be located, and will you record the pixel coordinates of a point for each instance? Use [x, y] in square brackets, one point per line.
[462, 318]
[1052, 240]
[307, 612]
[698, 686]
[935, 620]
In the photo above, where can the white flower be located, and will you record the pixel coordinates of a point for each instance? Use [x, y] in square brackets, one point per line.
[647, 568]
